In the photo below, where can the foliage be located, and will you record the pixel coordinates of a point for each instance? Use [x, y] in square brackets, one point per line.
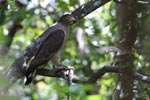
[99, 30]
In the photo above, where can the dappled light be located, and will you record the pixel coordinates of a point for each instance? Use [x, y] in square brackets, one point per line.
[104, 56]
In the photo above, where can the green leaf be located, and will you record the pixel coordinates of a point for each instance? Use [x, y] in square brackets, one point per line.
[93, 97]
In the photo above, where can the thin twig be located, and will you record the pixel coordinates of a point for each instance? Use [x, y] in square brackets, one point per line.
[141, 77]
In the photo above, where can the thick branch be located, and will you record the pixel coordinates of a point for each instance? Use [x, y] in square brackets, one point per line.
[102, 71]
[87, 8]
[92, 5]
[59, 73]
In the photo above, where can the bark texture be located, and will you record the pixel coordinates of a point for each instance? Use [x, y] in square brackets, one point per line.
[127, 34]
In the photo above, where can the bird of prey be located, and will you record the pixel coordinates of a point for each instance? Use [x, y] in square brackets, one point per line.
[46, 47]
[50, 48]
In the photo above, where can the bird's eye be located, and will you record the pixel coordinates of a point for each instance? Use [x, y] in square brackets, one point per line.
[68, 18]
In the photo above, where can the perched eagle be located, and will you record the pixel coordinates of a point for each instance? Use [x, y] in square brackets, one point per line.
[48, 47]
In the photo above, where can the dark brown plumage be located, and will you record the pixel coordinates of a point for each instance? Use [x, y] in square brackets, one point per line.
[46, 47]
[51, 47]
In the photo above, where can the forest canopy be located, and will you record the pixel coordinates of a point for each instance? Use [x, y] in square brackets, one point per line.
[108, 46]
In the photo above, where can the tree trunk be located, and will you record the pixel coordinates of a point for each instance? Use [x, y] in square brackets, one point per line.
[127, 33]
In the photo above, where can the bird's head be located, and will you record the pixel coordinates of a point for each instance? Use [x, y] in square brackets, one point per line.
[67, 19]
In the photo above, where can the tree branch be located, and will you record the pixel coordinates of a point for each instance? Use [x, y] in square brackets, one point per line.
[87, 8]
[59, 73]
[141, 77]
[106, 69]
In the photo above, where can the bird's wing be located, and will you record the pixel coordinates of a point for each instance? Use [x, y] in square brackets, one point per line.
[38, 42]
[51, 45]
[18, 68]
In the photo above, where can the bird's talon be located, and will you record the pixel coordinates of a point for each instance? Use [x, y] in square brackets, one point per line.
[69, 74]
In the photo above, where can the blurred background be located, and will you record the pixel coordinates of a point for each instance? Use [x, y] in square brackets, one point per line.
[91, 44]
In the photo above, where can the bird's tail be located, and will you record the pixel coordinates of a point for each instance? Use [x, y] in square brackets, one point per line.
[30, 74]
[16, 71]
